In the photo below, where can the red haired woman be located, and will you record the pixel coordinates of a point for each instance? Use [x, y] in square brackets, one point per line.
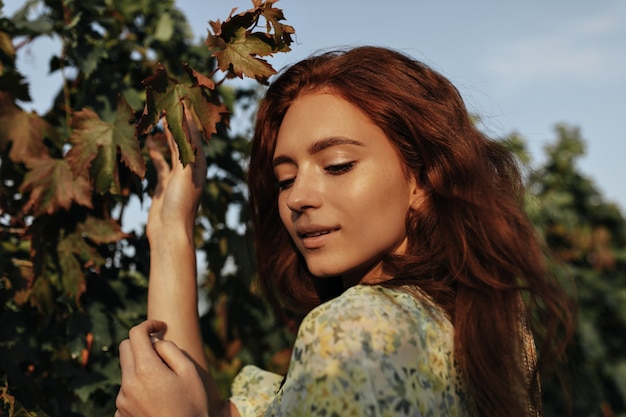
[395, 227]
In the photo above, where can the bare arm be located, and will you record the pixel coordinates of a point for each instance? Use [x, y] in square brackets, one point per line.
[172, 290]
[172, 299]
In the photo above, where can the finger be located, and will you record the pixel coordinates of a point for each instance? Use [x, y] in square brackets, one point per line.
[149, 327]
[173, 357]
[191, 127]
[199, 165]
[171, 143]
[127, 361]
[160, 164]
[141, 344]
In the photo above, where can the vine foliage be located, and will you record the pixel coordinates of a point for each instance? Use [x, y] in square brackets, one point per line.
[73, 279]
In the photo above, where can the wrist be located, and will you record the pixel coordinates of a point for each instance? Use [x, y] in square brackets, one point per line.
[180, 233]
[171, 242]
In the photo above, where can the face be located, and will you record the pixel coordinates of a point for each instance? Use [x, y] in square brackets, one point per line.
[343, 193]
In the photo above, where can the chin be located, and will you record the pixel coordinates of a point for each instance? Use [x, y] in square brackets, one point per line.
[349, 277]
[325, 274]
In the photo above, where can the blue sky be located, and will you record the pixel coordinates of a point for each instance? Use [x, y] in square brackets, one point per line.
[522, 66]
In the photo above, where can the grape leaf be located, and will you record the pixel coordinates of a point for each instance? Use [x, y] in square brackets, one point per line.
[208, 110]
[101, 230]
[164, 93]
[72, 276]
[165, 28]
[26, 131]
[14, 83]
[96, 143]
[282, 32]
[52, 186]
[237, 47]
[167, 94]
[239, 56]
[74, 248]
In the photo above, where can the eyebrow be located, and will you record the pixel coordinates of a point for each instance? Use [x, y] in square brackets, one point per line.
[319, 146]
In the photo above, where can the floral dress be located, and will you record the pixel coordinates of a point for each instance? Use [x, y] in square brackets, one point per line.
[372, 351]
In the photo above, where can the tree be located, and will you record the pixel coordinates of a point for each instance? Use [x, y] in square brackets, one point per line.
[587, 240]
[71, 281]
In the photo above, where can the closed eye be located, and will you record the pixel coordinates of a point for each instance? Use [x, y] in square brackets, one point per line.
[339, 168]
[284, 184]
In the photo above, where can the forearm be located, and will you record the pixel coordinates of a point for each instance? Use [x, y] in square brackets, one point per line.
[173, 293]
[173, 288]
[172, 298]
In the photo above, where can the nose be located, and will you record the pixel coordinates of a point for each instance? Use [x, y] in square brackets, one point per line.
[304, 194]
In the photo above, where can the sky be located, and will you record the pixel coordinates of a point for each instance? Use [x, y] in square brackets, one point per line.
[522, 66]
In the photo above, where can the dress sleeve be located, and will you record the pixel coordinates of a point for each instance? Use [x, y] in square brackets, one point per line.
[253, 390]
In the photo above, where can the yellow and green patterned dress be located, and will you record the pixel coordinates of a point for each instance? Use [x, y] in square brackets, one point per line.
[372, 351]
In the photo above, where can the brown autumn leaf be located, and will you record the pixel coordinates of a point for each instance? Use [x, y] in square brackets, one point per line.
[96, 144]
[238, 47]
[241, 56]
[282, 32]
[208, 110]
[26, 131]
[52, 186]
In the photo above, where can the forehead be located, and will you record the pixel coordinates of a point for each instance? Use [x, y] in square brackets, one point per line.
[316, 116]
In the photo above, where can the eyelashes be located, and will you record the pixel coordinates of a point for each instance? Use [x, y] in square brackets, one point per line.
[283, 185]
[339, 168]
[334, 170]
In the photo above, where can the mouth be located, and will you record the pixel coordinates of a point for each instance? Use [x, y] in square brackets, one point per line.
[313, 234]
[315, 238]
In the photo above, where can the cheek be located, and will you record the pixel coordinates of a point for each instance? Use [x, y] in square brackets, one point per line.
[284, 213]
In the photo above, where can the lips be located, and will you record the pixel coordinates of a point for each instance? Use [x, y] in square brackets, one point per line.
[313, 234]
[314, 237]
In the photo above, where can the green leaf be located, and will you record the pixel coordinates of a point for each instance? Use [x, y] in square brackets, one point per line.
[208, 113]
[165, 94]
[70, 250]
[42, 25]
[89, 62]
[165, 28]
[102, 231]
[53, 187]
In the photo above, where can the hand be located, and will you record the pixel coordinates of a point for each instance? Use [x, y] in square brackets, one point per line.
[177, 195]
[157, 379]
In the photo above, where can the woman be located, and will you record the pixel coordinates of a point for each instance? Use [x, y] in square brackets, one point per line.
[393, 226]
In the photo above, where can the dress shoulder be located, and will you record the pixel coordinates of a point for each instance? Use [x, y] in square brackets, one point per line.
[372, 351]
[253, 390]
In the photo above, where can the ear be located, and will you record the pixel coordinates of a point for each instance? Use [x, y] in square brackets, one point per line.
[417, 193]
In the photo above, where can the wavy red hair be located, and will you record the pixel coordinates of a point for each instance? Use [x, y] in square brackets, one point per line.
[471, 248]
